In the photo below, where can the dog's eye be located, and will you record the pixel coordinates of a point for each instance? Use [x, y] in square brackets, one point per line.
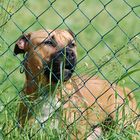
[71, 45]
[49, 42]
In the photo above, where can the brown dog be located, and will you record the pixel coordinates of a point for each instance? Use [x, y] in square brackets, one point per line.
[90, 102]
[41, 48]
[86, 102]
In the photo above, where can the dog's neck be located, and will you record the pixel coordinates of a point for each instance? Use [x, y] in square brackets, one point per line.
[33, 63]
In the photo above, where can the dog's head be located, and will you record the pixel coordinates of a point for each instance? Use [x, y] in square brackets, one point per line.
[55, 49]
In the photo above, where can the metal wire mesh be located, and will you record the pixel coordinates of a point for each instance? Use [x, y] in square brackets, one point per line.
[108, 39]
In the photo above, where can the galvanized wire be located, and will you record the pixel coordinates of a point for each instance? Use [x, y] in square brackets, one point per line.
[97, 67]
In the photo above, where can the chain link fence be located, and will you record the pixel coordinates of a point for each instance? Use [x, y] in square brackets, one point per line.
[107, 35]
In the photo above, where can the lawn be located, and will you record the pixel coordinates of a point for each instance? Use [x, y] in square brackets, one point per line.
[107, 34]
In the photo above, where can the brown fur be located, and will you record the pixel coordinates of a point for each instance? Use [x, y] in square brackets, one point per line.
[37, 54]
[96, 102]
[95, 98]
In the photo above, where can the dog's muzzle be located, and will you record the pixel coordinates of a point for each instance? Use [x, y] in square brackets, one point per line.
[62, 65]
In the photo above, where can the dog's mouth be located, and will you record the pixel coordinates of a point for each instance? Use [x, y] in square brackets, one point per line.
[62, 65]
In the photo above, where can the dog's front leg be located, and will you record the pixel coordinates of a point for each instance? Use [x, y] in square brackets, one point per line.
[27, 98]
[22, 114]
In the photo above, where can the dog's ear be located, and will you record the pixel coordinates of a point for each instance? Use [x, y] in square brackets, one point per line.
[21, 44]
[71, 32]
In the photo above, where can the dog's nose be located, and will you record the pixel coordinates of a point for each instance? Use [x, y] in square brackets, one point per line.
[70, 59]
[70, 54]
[65, 56]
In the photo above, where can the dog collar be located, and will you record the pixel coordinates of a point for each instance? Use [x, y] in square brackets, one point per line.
[22, 68]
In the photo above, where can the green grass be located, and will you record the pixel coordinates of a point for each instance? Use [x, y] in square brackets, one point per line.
[102, 36]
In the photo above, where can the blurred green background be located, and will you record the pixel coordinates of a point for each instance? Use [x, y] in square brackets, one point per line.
[107, 34]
